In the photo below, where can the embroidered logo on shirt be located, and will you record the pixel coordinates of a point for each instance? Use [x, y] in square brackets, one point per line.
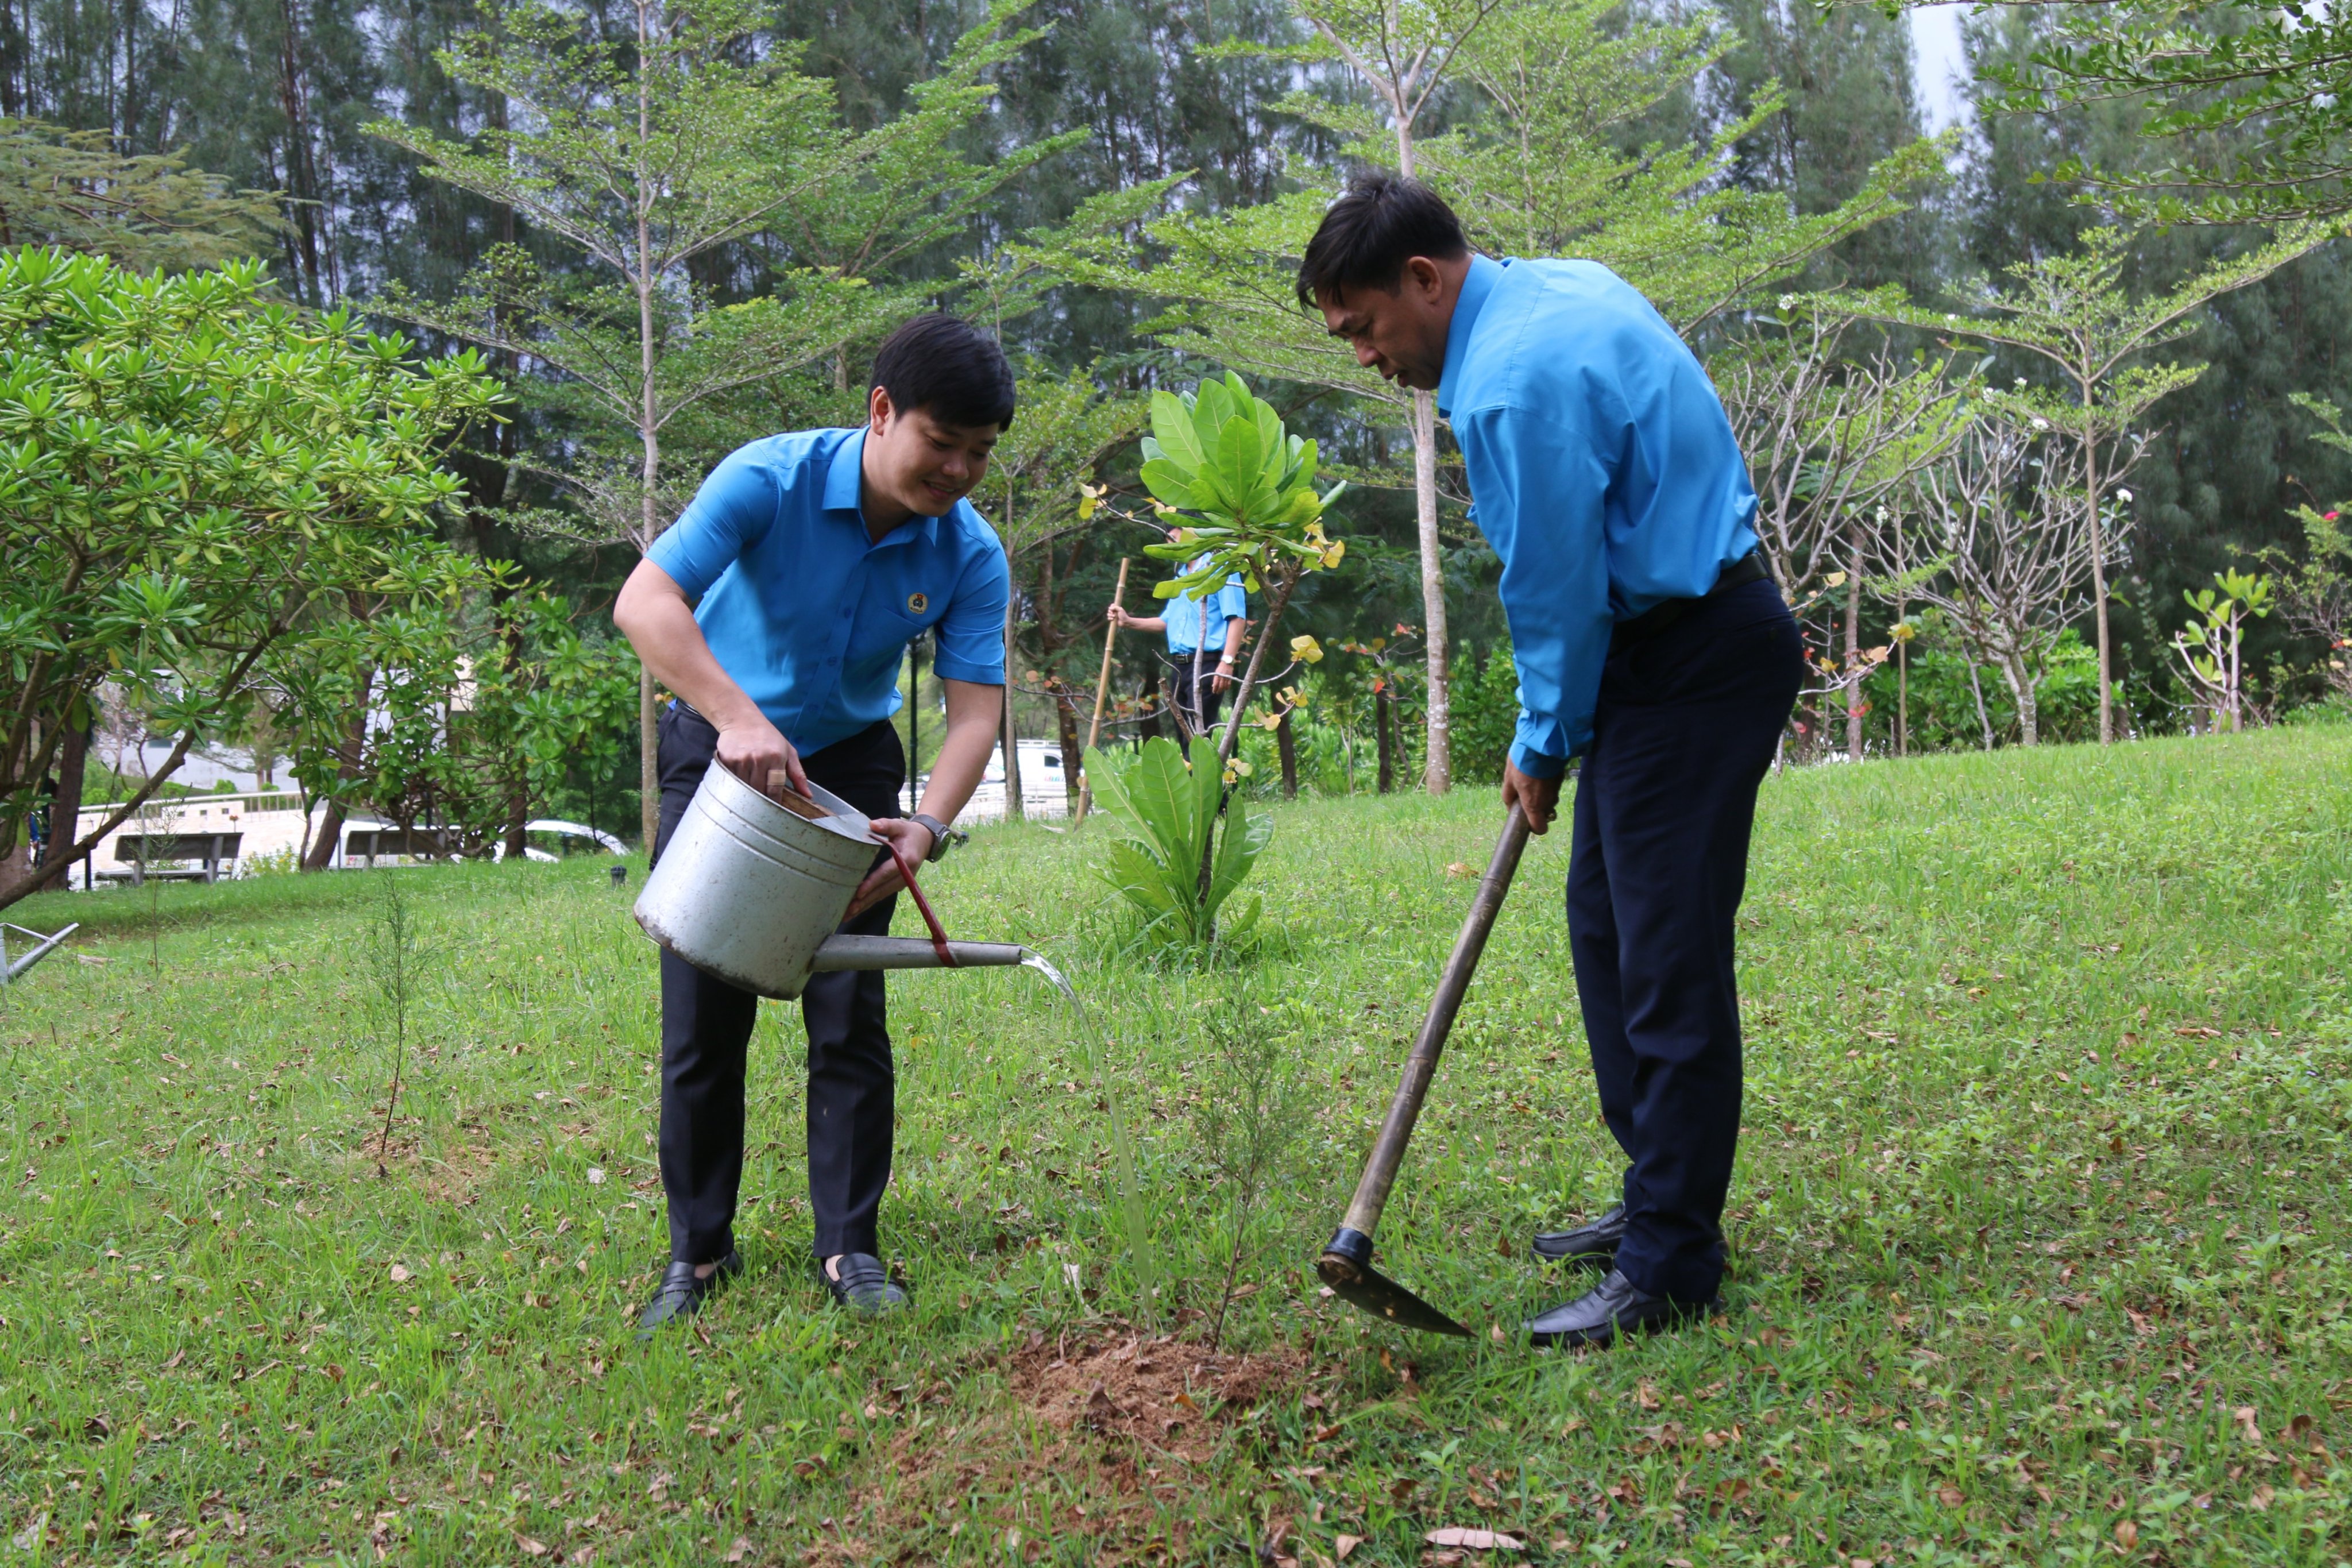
[917, 603]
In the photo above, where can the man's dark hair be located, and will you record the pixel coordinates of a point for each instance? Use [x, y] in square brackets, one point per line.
[948, 366]
[1364, 241]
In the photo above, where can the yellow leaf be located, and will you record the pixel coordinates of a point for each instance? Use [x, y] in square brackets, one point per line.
[1307, 648]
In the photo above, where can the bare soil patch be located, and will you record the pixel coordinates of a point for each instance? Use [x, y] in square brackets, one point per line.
[1100, 1437]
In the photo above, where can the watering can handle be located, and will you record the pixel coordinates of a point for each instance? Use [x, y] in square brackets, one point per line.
[939, 943]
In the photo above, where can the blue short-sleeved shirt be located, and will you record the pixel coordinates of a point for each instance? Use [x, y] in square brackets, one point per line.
[1201, 623]
[1602, 469]
[807, 615]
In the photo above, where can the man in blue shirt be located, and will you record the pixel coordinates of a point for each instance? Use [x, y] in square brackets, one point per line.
[779, 609]
[1650, 643]
[1193, 626]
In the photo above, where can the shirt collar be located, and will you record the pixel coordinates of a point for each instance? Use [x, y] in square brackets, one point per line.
[1476, 284]
[842, 483]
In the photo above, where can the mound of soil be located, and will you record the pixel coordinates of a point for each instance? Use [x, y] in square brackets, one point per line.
[1097, 1439]
[1162, 1395]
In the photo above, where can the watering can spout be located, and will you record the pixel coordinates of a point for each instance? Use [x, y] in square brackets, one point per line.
[839, 953]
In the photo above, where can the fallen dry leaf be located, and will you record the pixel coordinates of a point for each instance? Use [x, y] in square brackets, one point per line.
[1459, 869]
[531, 1548]
[2126, 1534]
[740, 1550]
[400, 1274]
[1951, 1497]
[1476, 1540]
[1345, 1544]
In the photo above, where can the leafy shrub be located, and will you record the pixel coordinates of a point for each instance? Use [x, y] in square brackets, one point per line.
[1168, 809]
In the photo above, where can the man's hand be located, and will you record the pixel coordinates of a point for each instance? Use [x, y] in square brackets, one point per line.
[1118, 616]
[1538, 798]
[913, 840]
[754, 749]
[1222, 679]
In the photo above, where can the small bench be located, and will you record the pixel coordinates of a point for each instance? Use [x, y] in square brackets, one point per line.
[366, 843]
[165, 857]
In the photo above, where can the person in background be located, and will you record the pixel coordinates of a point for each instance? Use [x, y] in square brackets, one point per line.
[1204, 643]
[1650, 642]
[779, 609]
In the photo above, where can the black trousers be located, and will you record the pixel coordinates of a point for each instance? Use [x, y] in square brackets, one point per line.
[707, 1026]
[1687, 723]
[1199, 706]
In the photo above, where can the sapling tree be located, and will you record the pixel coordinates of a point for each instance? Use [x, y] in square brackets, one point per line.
[1222, 455]
[2212, 645]
[2009, 551]
[392, 958]
[1249, 1111]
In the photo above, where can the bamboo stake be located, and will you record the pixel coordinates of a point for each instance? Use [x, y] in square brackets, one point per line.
[1102, 686]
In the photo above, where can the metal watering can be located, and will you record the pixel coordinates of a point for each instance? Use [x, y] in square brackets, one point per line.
[750, 889]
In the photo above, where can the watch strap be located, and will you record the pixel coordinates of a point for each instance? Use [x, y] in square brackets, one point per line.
[944, 838]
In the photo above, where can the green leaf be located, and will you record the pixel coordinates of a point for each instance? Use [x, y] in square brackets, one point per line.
[1170, 484]
[1172, 427]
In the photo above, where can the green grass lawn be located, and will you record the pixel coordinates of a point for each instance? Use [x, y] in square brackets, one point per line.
[2038, 1246]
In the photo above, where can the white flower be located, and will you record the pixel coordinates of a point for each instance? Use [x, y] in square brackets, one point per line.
[2020, 381]
[2040, 423]
[1787, 300]
[2122, 494]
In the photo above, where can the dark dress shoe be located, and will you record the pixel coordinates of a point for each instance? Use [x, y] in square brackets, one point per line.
[863, 1285]
[1610, 1309]
[1592, 1242]
[682, 1294]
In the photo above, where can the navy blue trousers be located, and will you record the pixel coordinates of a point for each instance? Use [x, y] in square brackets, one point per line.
[1688, 724]
[707, 1035]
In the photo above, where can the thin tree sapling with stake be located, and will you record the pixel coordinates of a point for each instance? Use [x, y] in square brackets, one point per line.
[1252, 1109]
[392, 958]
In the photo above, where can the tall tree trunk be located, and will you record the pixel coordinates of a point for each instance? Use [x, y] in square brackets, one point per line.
[1853, 644]
[1287, 744]
[1437, 769]
[301, 162]
[321, 853]
[649, 434]
[1975, 689]
[1437, 772]
[2021, 691]
[1065, 725]
[2099, 579]
[1009, 732]
[1902, 681]
[65, 808]
[1384, 727]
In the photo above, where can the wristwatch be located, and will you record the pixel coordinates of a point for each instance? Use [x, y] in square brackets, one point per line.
[944, 838]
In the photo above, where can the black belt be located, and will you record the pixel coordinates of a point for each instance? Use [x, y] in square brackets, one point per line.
[1748, 568]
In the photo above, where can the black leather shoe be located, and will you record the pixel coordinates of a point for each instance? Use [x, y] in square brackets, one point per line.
[1610, 1309]
[1592, 1242]
[682, 1294]
[863, 1285]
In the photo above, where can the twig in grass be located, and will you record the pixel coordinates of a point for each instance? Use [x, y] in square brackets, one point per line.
[393, 956]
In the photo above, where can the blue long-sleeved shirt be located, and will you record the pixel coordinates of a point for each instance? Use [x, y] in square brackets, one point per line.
[1602, 469]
